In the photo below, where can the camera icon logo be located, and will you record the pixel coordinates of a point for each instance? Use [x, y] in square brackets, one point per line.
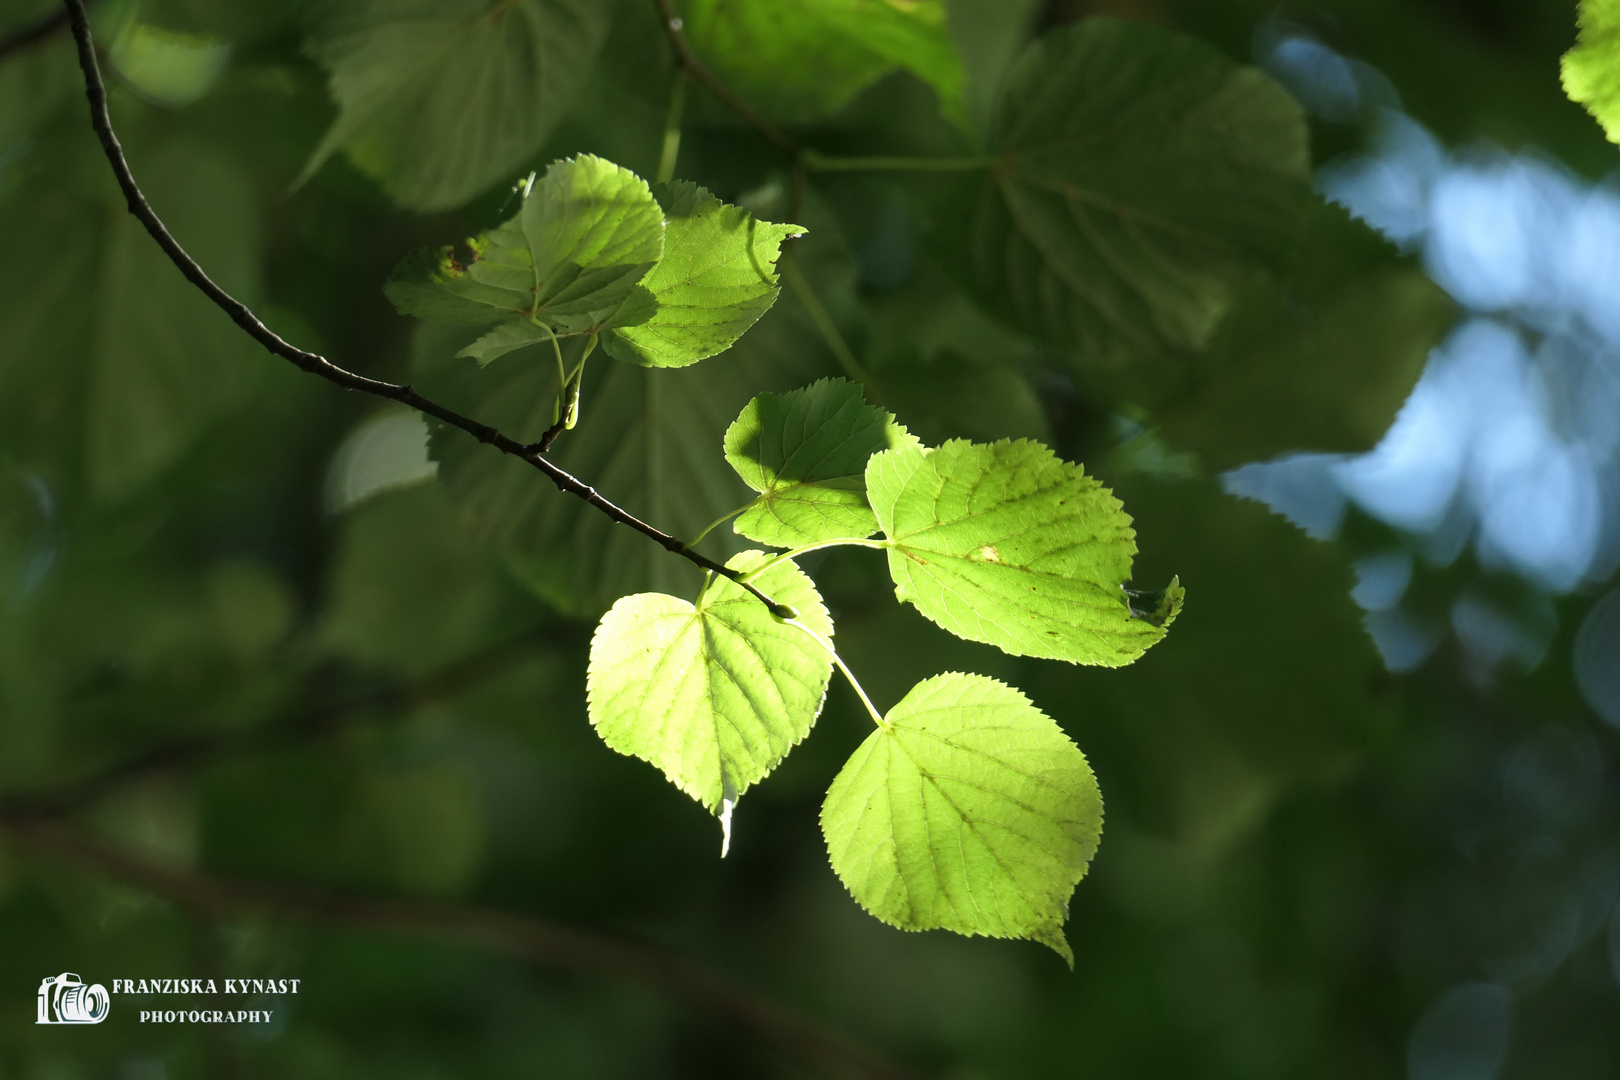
[67, 1000]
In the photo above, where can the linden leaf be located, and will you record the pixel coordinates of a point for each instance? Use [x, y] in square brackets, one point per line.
[571, 261]
[715, 693]
[805, 452]
[1009, 545]
[716, 278]
[967, 810]
[1591, 70]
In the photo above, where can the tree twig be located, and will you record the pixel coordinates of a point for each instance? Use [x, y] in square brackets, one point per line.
[101, 120]
[687, 59]
[541, 942]
[33, 34]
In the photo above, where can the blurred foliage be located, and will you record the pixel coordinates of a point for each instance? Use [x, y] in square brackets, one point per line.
[1309, 866]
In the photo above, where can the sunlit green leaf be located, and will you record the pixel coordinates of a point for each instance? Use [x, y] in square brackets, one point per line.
[570, 261]
[443, 99]
[1592, 68]
[713, 694]
[967, 810]
[716, 278]
[1009, 545]
[805, 452]
[799, 59]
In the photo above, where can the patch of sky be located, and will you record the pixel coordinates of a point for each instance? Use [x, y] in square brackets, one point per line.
[1511, 438]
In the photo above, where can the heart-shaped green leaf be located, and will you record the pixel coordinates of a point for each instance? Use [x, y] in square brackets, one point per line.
[715, 693]
[968, 810]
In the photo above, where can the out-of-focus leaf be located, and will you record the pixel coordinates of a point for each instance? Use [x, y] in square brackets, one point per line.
[716, 278]
[805, 452]
[419, 825]
[714, 694]
[166, 66]
[408, 588]
[1145, 181]
[799, 59]
[1008, 545]
[1153, 216]
[967, 810]
[165, 361]
[440, 100]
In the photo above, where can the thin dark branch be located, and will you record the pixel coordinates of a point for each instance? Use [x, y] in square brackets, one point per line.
[240, 314]
[34, 33]
[695, 68]
[300, 723]
[541, 942]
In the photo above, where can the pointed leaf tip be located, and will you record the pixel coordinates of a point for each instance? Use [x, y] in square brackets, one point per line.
[969, 811]
[714, 693]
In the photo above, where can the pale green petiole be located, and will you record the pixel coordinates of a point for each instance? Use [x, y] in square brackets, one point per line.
[877, 717]
[672, 129]
[575, 378]
[716, 523]
[842, 541]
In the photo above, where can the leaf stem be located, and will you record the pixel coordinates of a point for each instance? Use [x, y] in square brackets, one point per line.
[95, 90]
[819, 162]
[871, 710]
[716, 523]
[686, 59]
[829, 329]
[672, 128]
[842, 541]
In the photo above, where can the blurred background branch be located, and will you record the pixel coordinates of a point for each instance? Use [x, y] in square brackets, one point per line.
[212, 898]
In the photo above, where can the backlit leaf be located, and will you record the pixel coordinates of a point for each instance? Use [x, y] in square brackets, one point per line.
[1592, 68]
[967, 810]
[715, 693]
[716, 278]
[805, 452]
[570, 261]
[1009, 545]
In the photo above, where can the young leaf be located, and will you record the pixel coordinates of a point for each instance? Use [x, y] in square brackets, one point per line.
[1008, 545]
[805, 452]
[967, 810]
[441, 99]
[716, 278]
[714, 694]
[1592, 68]
[1145, 180]
[569, 262]
[799, 59]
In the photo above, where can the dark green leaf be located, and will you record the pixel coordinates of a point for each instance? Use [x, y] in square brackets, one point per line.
[443, 99]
